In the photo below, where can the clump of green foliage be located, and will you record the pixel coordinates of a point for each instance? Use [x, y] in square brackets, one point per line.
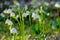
[25, 23]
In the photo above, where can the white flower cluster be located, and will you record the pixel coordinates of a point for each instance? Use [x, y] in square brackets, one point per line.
[9, 11]
[34, 15]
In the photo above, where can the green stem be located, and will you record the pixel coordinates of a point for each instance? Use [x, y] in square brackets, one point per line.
[22, 28]
[17, 21]
[13, 37]
[10, 30]
[30, 19]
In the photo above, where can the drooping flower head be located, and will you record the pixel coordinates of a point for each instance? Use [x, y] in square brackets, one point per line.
[2, 15]
[26, 14]
[57, 5]
[14, 30]
[12, 14]
[48, 14]
[36, 16]
[9, 22]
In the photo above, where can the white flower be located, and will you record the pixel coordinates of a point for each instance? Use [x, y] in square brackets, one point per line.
[25, 14]
[2, 15]
[57, 5]
[46, 3]
[14, 30]
[48, 14]
[7, 11]
[16, 3]
[36, 16]
[8, 22]
[12, 14]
